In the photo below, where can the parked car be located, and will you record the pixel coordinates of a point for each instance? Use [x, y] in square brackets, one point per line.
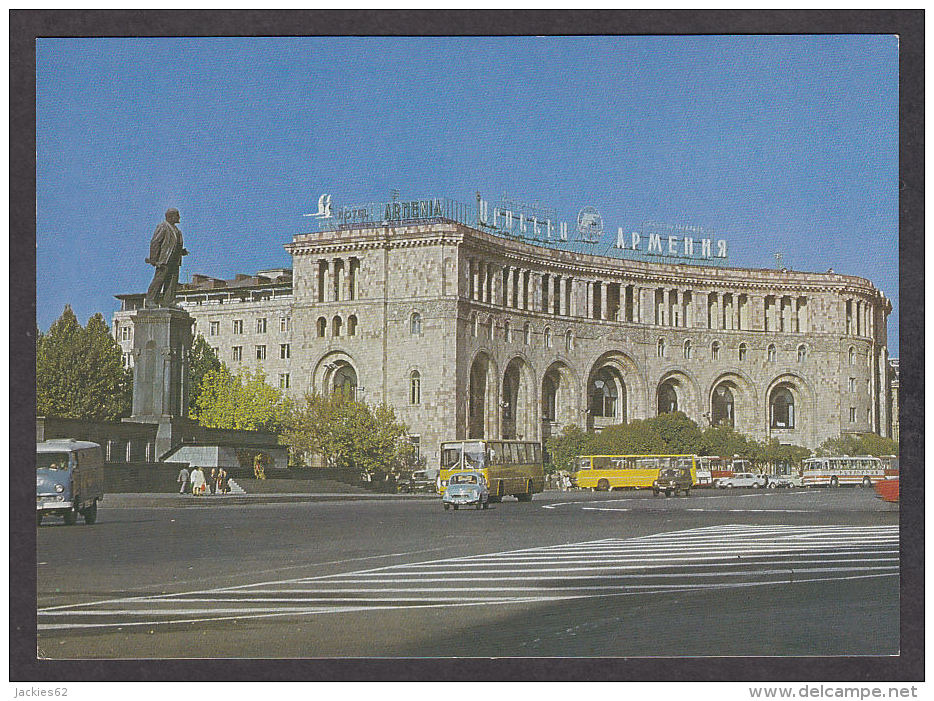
[69, 480]
[466, 489]
[776, 481]
[672, 480]
[416, 482]
[742, 479]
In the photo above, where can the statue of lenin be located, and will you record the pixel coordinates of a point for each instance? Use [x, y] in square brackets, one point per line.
[165, 253]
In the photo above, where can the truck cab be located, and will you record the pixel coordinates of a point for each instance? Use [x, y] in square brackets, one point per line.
[69, 480]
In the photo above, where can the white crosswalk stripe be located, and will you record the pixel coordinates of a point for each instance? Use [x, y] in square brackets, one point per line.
[697, 559]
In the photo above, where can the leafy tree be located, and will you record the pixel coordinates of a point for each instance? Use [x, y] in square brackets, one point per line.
[723, 441]
[679, 433]
[858, 444]
[771, 452]
[201, 360]
[635, 437]
[564, 447]
[348, 433]
[79, 371]
[241, 401]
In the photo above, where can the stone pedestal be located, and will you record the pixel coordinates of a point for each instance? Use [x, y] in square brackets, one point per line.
[161, 341]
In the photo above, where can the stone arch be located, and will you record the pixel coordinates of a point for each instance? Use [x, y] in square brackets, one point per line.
[520, 415]
[804, 409]
[685, 388]
[744, 401]
[560, 397]
[338, 370]
[482, 397]
[615, 370]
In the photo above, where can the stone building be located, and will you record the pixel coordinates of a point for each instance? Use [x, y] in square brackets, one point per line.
[468, 333]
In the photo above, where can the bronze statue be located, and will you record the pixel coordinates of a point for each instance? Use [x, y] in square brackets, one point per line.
[165, 253]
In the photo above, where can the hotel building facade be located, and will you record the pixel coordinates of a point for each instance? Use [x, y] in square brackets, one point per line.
[471, 334]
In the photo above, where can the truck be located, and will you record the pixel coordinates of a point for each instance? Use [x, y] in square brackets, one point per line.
[69, 480]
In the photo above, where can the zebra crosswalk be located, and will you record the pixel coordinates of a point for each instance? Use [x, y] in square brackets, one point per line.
[696, 559]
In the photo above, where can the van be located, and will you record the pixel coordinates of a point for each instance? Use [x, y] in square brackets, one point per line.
[69, 480]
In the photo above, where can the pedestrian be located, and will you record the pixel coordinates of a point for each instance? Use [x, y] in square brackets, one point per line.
[183, 480]
[213, 482]
[222, 480]
[197, 481]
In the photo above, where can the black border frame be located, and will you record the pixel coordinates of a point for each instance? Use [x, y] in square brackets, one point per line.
[28, 25]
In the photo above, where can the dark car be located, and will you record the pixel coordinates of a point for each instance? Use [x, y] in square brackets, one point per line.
[671, 480]
[416, 482]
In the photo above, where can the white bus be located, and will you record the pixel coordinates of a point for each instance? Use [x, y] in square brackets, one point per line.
[864, 470]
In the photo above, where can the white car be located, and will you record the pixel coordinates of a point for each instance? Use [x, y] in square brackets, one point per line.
[742, 479]
[776, 481]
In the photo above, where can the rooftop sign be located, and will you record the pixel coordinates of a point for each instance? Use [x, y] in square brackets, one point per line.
[512, 219]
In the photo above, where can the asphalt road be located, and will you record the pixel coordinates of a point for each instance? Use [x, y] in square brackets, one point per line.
[737, 572]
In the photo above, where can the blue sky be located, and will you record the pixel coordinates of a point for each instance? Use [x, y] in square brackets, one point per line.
[778, 143]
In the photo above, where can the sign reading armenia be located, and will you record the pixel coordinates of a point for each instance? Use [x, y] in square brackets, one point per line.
[513, 219]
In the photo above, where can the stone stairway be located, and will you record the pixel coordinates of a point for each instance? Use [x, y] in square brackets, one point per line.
[234, 487]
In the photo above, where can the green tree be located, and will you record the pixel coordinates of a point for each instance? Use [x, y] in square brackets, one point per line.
[201, 360]
[771, 452]
[723, 441]
[79, 371]
[564, 447]
[636, 437]
[679, 433]
[347, 433]
[858, 444]
[241, 401]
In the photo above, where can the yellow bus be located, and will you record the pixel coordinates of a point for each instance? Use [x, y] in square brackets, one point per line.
[509, 467]
[606, 472]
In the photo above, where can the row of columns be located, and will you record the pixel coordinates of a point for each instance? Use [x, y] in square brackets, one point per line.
[337, 279]
[564, 295]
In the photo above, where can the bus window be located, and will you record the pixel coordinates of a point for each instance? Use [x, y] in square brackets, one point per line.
[496, 453]
[601, 463]
[583, 464]
[684, 463]
[450, 455]
[474, 457]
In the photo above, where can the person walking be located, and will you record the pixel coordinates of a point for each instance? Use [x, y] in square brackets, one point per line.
[213, 482]
[222, 485]
[183, 480]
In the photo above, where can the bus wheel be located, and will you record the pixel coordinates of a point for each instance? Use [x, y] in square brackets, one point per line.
[446, 507]
[655, 492]
[71, 517]
[833, 481]
[603, 486]
[867, 482]
[528, 493]
[90, 514]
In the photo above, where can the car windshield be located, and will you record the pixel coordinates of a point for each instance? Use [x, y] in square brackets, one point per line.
[464, 479]
[51, 461]
[671, 472]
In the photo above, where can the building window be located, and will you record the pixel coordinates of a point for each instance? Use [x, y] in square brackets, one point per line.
[852, 414]
[721, 406]
[284, 380]
[285, 351]
[415, 388]
[852, 384]
[782, 408]
[237, 353]
[126, 360]
[527, 332]
[415, 324]
[547, 335]
[125, 332]
[660, 348]
[238, 326]
[715, 350]
[261, 325]
[261, 352]
[322, 326]
[352, 325]
[416, 442]
[215, 328]
[852, 355]
[568, 341]
[336, 324]
[802, 353]
[742, 351]
[507, 332]
[475, 325]
[771, 353]
[285, 324]
[687, 350]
